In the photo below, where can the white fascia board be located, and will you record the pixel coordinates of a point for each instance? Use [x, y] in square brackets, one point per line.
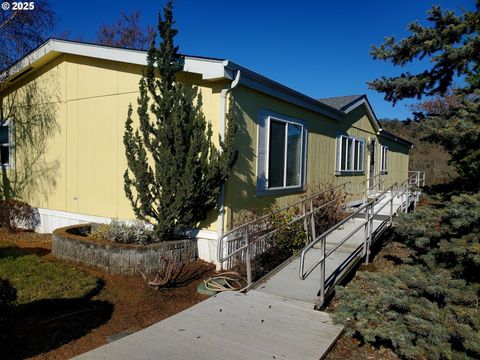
[209, 69]
[369, 110]
[138, 57]
[68, 47]
[27, 60]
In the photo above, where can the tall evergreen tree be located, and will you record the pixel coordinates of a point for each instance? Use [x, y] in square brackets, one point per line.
[174, 170]
[452, 44]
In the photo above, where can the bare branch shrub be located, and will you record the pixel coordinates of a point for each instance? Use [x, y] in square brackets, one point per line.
[17, 215]
[175, 273]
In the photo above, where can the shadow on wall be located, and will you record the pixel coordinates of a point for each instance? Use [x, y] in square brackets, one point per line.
[242, 183]
[33, 111]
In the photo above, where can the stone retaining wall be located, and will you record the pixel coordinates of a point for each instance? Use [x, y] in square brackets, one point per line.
[118, 258]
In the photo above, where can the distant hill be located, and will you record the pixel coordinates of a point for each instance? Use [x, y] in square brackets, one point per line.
[431, 158]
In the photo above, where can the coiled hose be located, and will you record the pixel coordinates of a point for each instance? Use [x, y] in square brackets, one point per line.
[226, 281]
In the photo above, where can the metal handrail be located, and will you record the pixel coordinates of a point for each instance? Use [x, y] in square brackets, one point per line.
[371, 210]
[303, 275]
[244, 228]
[243, 233]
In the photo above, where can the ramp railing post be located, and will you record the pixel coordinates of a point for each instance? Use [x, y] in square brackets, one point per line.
[305, 221]
[365, 235]
[407, 202]
[322, 270]
[248, 257]
[372, 212]
[312, 220]
[391, 208]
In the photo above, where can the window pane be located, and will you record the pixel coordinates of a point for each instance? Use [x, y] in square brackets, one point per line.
[4, 134]
[276, 159]
[294, 154]
[360, 155]
[343, 165]
[4, 155]
[349, 154]
[355, 160]
[384, 164]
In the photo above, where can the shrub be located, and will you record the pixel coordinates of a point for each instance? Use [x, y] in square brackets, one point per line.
[448, 236]
[136, 232]
[426, 307]
[277, 237]
[332, 204]
[422, 313]
[15, 215]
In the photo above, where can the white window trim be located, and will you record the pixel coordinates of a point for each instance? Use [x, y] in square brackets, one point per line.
[267, 160]
[383, 170]
[10, 144]
[361, 162]
[263, 129]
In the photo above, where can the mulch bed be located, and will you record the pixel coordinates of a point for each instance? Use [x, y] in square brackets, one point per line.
[64, 328]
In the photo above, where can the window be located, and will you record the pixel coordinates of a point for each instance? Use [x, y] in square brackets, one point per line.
[281, 154]
[285, 158]
[6, 144]
[383, 159]
[350, 154]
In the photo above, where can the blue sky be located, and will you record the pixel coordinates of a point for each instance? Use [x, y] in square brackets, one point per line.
[320, 48]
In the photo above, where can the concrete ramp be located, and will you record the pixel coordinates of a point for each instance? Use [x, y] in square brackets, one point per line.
[231, 326]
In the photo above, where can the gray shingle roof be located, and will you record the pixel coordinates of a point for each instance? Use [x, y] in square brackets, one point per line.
[340, 102]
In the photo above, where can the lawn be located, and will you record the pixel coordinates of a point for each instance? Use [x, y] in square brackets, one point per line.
[65, 309]
[38, 279]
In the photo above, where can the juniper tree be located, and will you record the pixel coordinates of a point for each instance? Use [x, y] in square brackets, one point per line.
[175, 172]
[452, 44]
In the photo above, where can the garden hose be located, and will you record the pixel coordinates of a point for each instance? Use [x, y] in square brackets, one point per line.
[226, 281]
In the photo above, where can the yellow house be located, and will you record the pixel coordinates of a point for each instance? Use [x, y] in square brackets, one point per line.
[73, 97]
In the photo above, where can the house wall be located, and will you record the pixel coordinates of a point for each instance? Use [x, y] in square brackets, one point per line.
[89, 100]
[321, 153]
[78, 173]
[397, 159]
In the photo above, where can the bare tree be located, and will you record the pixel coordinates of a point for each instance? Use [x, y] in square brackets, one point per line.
[22, 31]
[126, 32]
[31, 109]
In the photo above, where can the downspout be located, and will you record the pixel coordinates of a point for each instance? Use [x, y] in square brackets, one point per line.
[223, 112]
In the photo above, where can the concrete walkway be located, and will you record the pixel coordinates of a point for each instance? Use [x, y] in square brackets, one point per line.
[274, 321]
[231, 326]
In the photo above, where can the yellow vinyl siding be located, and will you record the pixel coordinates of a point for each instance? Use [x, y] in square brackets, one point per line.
[397, 161]
[86, 161]
[91, 102]
[321, 152]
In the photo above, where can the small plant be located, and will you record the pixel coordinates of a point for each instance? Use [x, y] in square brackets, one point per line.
[16, 215]
[290, 236]
[331, 205]
[136, 232]
[173, 273]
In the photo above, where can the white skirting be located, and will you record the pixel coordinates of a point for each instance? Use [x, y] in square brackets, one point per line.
[53, 219]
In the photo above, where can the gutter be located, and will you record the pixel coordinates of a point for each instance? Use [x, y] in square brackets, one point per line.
[223, 112]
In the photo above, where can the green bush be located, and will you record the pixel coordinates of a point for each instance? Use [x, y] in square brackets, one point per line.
[422, 314]
[290, 237]
[426, 307]
[448, 236]
[118, 231]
